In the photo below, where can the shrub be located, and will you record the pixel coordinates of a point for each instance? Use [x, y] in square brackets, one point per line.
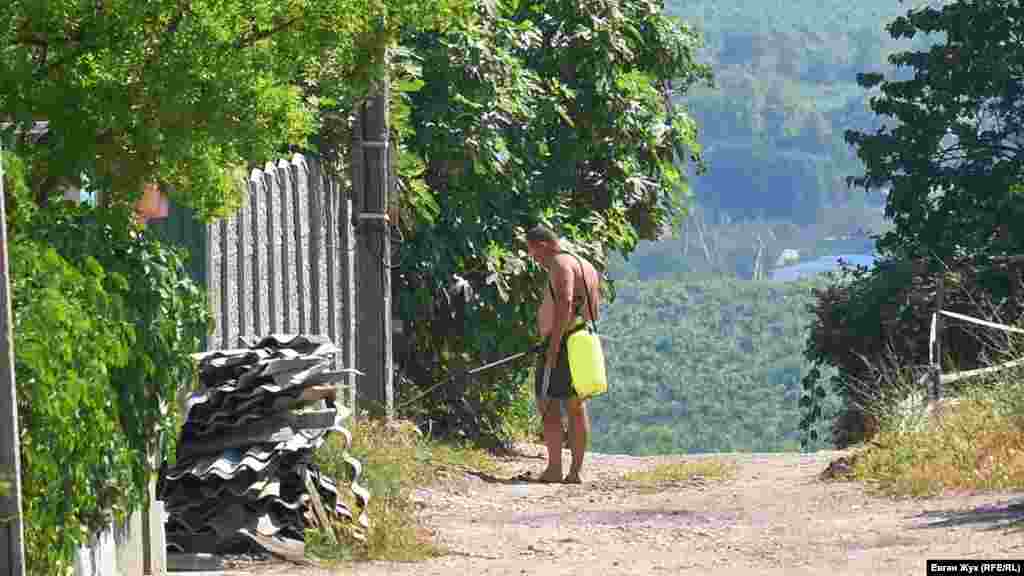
[868, 319]
[396, 459]
[976, 444]
[104, 322]
[76, 463]
[167, 308]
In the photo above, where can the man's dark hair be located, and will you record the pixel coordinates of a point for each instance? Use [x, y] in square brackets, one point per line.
[541, 233]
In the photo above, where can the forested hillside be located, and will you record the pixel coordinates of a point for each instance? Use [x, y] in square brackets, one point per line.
[702, 365]
[786, 91]
[772, 130]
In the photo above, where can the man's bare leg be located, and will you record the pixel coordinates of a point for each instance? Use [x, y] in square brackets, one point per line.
[579, 434]
[553, 439]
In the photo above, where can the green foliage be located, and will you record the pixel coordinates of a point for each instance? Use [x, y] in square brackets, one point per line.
[855, 329]
[551, 111]
[396, 460]
[948, 152]
[166, 307]
[973, 444]
[945, 151]
[104, 322]
[76, 463]
[184, 94]
[702, 365]
[18, 202]
[872, 327]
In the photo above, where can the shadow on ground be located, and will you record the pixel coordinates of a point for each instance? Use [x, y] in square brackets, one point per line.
[991, 517]
[522, 478]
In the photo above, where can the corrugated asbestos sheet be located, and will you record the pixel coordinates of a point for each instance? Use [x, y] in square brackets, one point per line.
[244, 476]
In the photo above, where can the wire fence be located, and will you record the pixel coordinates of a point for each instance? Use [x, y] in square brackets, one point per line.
[951, 377]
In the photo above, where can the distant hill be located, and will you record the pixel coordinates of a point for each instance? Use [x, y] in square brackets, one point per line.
[772, 130]
[749, 248]
[786, 92]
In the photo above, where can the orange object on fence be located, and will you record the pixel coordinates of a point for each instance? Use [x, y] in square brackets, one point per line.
[153, 203]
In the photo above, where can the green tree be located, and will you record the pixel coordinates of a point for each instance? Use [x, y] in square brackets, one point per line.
[104, 322]
[183, 93]
[949, 153]
[557, 111]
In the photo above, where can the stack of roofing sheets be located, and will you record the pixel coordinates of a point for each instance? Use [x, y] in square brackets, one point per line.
[244, 478]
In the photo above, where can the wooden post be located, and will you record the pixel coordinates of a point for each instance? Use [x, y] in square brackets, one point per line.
[375, 358]
[936, 367]
[12, 547]
[1014, 310]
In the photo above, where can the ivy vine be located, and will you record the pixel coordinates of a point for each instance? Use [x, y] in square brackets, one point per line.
[105, 320]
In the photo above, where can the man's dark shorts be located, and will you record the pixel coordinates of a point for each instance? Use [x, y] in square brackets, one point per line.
[560, 383]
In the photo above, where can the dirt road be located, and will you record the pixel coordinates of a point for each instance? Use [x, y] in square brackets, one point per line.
[774, 518]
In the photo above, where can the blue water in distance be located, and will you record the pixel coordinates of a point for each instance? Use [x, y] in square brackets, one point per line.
[823, 264]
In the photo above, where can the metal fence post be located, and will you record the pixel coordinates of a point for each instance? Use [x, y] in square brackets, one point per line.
[936, 367]
[1013, 270]
[12, 547]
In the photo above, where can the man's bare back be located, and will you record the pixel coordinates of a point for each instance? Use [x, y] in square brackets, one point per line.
[580, 269]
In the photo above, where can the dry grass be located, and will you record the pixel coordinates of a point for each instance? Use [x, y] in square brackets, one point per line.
[976, 445]
[395, 460]
[706, 469]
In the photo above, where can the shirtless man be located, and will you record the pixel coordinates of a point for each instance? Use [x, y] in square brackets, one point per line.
[573, 296]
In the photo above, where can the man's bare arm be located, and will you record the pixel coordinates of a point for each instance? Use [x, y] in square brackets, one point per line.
[563, 280]
[545, 314]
